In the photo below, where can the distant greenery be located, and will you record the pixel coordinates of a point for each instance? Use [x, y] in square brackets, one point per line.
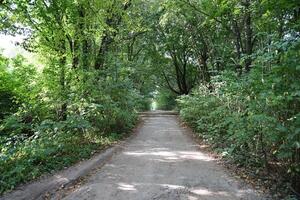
[165, 100]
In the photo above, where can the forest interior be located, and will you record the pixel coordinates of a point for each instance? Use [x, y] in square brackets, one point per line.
[230, 68]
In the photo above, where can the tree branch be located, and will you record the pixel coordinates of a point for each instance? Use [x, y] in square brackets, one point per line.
[169, 85]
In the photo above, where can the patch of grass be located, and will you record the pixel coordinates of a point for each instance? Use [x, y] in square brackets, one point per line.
[36, 156]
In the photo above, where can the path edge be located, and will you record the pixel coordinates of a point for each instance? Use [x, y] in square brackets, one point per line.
[221, 162]
[37, 189]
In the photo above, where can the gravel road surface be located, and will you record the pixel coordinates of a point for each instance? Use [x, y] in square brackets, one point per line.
[162, 162]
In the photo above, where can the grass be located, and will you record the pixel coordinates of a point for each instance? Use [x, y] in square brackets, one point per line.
[29, 159]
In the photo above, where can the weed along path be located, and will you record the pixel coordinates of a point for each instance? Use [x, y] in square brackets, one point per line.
[160, 162]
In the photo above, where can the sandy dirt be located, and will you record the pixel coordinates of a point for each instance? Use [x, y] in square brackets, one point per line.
[162, 162]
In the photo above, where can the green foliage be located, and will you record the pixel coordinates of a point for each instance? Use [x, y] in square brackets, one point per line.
[102, 61]
[7, 104]
[165, 100]
[53, 145]
[83, 95]
[34, 141]
[253, 120]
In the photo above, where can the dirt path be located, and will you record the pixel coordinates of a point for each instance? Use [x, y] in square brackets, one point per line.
[161, 162]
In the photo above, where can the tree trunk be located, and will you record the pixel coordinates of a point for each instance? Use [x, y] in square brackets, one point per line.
[249, 39]
[104, 47]
[113, 22]
[62, 115]
[238, 45]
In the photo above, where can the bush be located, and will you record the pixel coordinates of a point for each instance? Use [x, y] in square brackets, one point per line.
[34, 139]
[252, 120]
[165, 100]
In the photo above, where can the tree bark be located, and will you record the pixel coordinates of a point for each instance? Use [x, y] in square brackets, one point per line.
[113, 22]
[238, 45]
[62, 115]
[249, 37]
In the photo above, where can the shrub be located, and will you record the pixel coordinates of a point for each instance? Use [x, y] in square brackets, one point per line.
[251, 120]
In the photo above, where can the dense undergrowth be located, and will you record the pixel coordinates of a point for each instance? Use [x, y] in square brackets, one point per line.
[35, 139]
[46, 153]
[165, 100]
[253, 120]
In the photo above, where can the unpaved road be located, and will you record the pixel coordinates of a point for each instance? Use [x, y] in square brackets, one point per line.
[161, 162]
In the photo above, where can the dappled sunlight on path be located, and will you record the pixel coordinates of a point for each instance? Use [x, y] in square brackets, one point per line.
[162, 162]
